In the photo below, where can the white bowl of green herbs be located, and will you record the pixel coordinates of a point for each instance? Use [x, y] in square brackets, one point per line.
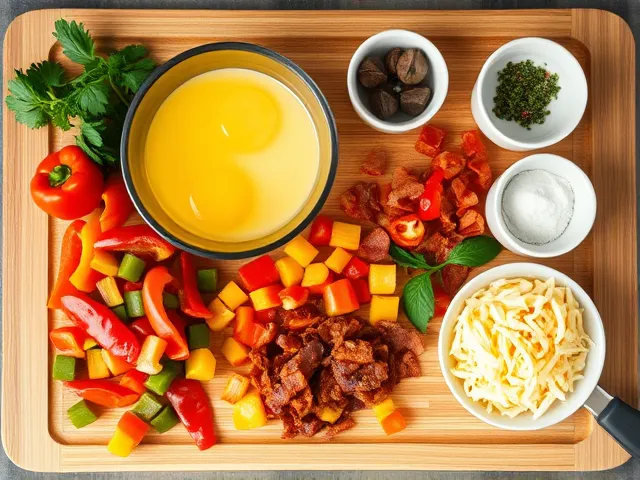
[530, 93]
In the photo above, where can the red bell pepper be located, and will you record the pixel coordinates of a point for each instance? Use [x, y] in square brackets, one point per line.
[356, 268]
[293, 297]
[67, 184]
[84, 277]
[258, 273]
[266, 316]
[130, 431]
[132, 286]
[154, 283]
[340, 298]
[430, 200]
[190, 299]
[134, 380]
[142, 328]
[407, 231]
[139, 240]
[178, 322]
[361, 287]
[103, 325]
[320, 233]
[430, 140]
[70, 253]
[319, 289]
[442, 300]
[244, 327]
[103, 392]
[117, 203]
[69, 341]
[189, 400]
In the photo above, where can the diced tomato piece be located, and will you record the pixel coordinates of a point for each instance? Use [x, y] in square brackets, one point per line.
[320, 233]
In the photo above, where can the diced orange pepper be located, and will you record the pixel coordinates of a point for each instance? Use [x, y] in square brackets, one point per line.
[301, 250]
[345, 235]
[150, 354]
[266, 297]
[338, 260]
[249, 412]
[221, 316]
[393, 423]
[85, 278]
[105, 263]
[236, 388]
[69, 341]
[116, 365]
[293, 297]
[235, 352]
[384, 308]
[315, 274]
[245, 325]
[382, 279]
[340, 298]
[129, 433]
[291, 272]
[134, 380]
[232, 296]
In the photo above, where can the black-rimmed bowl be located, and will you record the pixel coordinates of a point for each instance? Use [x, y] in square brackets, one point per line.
[169, 76]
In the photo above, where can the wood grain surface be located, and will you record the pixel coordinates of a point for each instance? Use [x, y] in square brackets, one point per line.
[441, 435]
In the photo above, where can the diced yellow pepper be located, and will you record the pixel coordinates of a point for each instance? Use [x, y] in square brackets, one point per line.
[345, 235]
[235, 352]
[338, 260]
[89, 343]
[384, 308]
[150, 355]
[290, 271]
[121, 444]
[329, 414]
[315, 274]
[221, 315]
[109, 291]
[96, 365]
[382, 279]
[105, 263]
[201, 365]
[236, 388]
[384, 409]
[301, 250]
[115, 364]
[249, 412]
[232, 296]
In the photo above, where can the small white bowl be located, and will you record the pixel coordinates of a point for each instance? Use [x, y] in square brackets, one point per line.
[584, 208]
[566, 111]
[377, 46]
[583, 388]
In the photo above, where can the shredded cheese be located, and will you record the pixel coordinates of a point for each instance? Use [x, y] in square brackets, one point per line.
[519, 345]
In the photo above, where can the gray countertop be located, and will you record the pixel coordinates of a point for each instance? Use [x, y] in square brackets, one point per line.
[627, 9]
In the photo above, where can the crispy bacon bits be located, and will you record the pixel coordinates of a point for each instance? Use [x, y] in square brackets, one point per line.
[361, 201]
[430, 139]
[450, 163]
[471, 224]
[375, 164]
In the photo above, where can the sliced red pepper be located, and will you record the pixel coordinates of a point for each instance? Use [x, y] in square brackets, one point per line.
[132, 286]
[407, 231]
[189, 400]
[320, 233]
[259, 273]
[340, 298]
[103, 325]
[142, 328]
[244, 327]
[442, 300]
[70, 254]
[361, 287]
[103, 392]
[117, 203]
[430, 200]
[178, 322]
[139, 240]
[266, 316]
[356, 268]
[69, 341]
[84, 277]
[134, 380]
[190, 299]
[152, 289]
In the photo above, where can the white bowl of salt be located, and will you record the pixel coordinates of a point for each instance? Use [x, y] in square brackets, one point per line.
[542, 206]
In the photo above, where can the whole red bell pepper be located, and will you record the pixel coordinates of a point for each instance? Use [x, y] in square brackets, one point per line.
[407, 231]
[139, 240]
[117, 203]
[142, 328]
[259, 273]
[103, 392]
[69, 341]
[103, 325]
[152, 289]
[356, 268]
[67, 184]
[190, 299]
[320, 233]
[70, 253]
[431, 199]
[189, 400]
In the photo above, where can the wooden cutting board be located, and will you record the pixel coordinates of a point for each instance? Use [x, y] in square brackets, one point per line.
[441, 434]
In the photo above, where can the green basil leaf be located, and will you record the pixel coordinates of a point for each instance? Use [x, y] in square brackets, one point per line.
[474, 251]
[406, 259]
[418, 301]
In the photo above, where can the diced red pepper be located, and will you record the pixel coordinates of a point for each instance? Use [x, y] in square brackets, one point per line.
[190, 299]
[407, 231]
[430, 140]
[431, 199]
[189, 400]
[244, 327]
[356, 268]
[69, 341]
[117, 203]
[154, 283]
[142, 328]
[134, 380]
[258, 273]
[266, 316]
[319, 289]
[139, 240]
[340, 298]
[132, 286]
[103, 392]
[103, 325]
[442, 300]
[70, 254]
[361, 287]
[320, 233]
[293, 297]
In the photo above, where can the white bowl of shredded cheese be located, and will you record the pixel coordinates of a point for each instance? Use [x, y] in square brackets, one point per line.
[522, 346]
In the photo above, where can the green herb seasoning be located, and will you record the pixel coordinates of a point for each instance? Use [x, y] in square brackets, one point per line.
[524, 93]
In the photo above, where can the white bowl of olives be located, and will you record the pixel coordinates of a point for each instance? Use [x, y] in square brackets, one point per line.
[397, 81]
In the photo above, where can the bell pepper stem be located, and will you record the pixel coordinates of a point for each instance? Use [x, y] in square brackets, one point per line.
[59, 175]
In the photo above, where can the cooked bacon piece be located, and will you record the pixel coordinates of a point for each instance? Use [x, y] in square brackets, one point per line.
[339, 427]
[483, 171]
[267, 336]
[471, 224]
[309, 425]
[335, 330]
[361, 201]
[453, 276]
[399, 338]
[472, 145]
[450, 163]
[430, 140]
[299, 318]
[447, 211]
[356, 351]
[464, 197]
[290, 342]
[353, 377]
[328, 391]
[375, 246]
[407, 365]
[405, 188]
[390, 212]
[372, 398]
[303, 402]
[375, 164]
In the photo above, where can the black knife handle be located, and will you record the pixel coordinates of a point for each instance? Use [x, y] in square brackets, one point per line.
[622, 422]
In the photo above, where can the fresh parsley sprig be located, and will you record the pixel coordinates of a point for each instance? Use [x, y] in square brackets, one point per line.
[417, 297]
[95, 101]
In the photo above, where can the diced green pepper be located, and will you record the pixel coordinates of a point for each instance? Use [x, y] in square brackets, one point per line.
[147, 406]
[198, 336]
[131, 268]
[81, 415]
[133, 302]
[208, 280]
[170, 300]
[165, 420]
[161, 382]
[64, 368]
[121, 312]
